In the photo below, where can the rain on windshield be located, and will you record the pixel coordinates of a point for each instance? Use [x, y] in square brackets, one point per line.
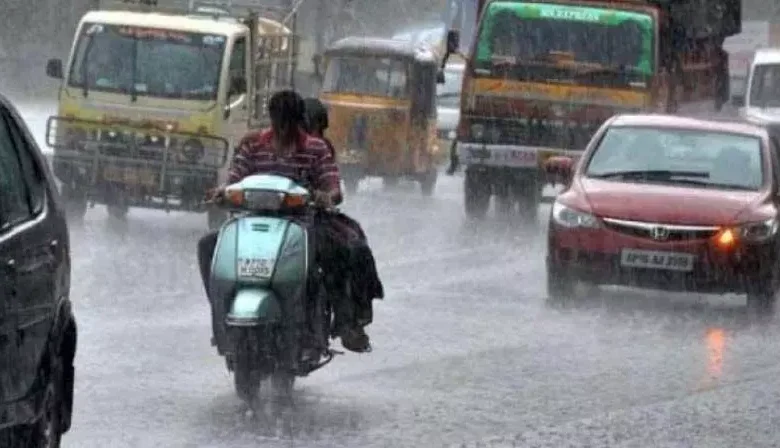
[713, 159]
[536, 32]
[148, 62]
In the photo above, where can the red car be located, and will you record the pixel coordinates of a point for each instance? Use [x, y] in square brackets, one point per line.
[669, 203]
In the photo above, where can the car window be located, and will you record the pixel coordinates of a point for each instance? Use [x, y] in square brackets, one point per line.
[33, 176]
[238, 58]
[679, 156]
[14, 204]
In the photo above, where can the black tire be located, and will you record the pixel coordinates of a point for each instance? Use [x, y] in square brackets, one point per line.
[75, 204]
[428, 182]
[476, 195]
[283, 383]
[117, 212]
[47, 432]
[528, 195]
[246, 377]
[762, 297]
[390, 181]
[561, 285]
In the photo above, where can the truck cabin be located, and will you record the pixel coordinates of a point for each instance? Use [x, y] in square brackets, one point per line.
[148, 55]
[635, 45]
[382, 68]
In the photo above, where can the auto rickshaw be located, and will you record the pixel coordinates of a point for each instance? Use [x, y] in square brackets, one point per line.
[381, 100]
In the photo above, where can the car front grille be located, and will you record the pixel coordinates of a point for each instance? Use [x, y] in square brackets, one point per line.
[659, 231]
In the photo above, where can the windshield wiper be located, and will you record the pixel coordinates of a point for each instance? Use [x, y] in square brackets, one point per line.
[653, 174]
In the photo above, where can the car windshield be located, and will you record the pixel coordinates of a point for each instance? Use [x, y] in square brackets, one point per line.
[147, 61]
[678, 156]
[528, 41]
[367, 76]
[765, 87]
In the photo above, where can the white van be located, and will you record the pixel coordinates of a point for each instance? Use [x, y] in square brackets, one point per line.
[761, 96]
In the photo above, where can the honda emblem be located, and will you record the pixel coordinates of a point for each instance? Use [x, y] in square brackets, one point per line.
[659, 233]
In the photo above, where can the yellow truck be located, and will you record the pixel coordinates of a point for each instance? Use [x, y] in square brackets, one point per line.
[153, 99]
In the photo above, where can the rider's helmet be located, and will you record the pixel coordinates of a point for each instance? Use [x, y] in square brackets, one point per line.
[316, 115]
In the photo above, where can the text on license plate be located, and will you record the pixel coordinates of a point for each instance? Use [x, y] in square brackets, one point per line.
[651, 259]
[255, 267]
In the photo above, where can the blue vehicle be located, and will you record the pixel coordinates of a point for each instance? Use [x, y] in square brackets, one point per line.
[270, 312]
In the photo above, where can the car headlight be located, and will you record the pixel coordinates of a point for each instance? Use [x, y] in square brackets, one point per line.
[758, 231]
[478, 131]
[571, 218]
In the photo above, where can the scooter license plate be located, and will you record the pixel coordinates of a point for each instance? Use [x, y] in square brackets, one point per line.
[255, 267]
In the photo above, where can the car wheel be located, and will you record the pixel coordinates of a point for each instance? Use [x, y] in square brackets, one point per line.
[561, 285]
[476, 195]
[47, 432]
[762, 296]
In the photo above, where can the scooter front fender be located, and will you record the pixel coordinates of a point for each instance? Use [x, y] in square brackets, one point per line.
[254, 307]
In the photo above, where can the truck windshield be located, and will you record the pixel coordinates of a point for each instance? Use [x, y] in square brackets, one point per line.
[147, 61]
[563, 43]
[765, 86]
[367, 76]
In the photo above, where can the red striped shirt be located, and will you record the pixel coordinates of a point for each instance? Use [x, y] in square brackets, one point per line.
[310, 164]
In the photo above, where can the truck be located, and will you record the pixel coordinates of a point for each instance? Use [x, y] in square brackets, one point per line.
[541, 77]
[154, 98]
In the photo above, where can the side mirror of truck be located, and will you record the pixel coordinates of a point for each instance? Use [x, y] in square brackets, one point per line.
[738, 100]
[54, 69]
[559, 169]
[237, 86]
[453, 41]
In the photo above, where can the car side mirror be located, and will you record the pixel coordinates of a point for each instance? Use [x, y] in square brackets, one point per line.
[738, 100]
[440, 77]
[559, 169]
[54, 69]
[237, 86]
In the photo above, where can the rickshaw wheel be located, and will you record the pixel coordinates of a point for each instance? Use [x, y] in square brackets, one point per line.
[428, 182]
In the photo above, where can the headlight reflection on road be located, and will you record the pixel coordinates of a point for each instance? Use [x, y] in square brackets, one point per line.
[716, 342]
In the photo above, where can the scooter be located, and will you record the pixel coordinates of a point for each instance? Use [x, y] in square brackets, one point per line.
[271, 314]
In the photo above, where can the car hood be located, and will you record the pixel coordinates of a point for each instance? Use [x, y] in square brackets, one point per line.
[667, 204]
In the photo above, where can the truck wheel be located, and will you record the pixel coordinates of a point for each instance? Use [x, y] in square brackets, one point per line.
[476, 195]
[528, 196]
[117, 212]
[390, 181]
[428, 182]
[74, 203]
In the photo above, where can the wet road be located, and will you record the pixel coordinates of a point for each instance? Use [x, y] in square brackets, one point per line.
[465, 347]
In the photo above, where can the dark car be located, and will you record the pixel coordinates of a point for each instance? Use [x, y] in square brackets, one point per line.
[37, 326]
[670, 203]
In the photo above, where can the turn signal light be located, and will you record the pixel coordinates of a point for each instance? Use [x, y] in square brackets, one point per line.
[726, 239]
[294, 200]
[235, 197]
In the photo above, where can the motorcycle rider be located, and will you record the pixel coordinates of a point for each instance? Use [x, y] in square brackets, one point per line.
[286, 149]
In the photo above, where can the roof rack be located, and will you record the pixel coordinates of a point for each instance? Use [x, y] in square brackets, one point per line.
[212, 8]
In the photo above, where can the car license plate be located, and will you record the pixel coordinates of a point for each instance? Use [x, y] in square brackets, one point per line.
[652, 259]
[128, 175]
[255, 267]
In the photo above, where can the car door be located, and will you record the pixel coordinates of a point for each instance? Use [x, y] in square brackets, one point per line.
[28, 250]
